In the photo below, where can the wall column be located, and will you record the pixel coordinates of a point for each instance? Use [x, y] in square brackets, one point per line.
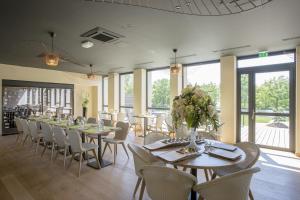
[297, 114]
[113, 92]
[228, 99]
[175, 85]
[139, 91]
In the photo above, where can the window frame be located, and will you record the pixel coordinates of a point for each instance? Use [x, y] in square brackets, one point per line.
[120, 75]
[103, 105]
[147, 84]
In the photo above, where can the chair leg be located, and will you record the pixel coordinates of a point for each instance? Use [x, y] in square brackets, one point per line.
[251, 195]
[109, 147]
[125, 149]
[80, 161]
[206, 174]
[95, 155]
[213, 176]
[56, 155]
[184, 169]
[18, 137]
[137, 186]
[116, 149]
[104, 148]
[71, 160]
[92, 140]
[25, 139]
[45, 147]
[37, 144]
[65, 156]
[142, 190]
[115, 152]
[52, 151]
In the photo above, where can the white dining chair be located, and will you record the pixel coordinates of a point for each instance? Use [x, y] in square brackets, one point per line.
[48, 138]
[77, 147]
[119, 138]
[91, 120]
[61, 142]
[167, 183]
[36, 136]
[142, 158]
[230, 187]
[134, 123]
[121, 116]
[19, 129]
[26, 131]
[158, 124]
[252, 152]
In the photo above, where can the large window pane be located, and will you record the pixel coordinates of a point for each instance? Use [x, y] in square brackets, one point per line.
[126, 90]
[207, 76]
[158, 90]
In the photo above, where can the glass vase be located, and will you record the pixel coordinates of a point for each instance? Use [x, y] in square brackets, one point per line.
[193, 145]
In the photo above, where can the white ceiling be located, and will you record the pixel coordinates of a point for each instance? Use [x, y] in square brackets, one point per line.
[150, 35]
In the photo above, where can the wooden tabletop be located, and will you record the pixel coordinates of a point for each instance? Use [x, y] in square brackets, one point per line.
[204, 161]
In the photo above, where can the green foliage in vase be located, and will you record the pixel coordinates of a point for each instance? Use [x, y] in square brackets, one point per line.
[195, 107]
[85, 100]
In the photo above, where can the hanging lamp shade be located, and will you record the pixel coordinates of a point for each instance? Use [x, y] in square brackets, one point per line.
[175, 68]
[51, 59]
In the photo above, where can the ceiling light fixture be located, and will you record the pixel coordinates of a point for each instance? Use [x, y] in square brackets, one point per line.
[87, 44]
[175, 68]
[52, 59]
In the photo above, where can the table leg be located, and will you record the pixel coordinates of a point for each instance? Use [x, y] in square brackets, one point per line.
[103, 163]
[193, 193]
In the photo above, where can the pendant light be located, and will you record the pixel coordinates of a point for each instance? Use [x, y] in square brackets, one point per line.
[175, 68]
[51, 59]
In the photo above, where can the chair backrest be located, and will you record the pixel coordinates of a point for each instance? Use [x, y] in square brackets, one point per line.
[121, 117]
[167, 183]
[252, 152]
[59, 136]
[107, 122]
[19, 124]
[92, 120]
[75, 140]
[25, 127]
[33, 129]
[232, 187]
[141, 158]
[47, 132]
[122, 134]
[154, 136]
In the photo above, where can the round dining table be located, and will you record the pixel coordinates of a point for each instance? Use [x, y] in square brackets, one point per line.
[203, 161]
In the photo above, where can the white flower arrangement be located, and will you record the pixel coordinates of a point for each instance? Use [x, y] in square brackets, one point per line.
[195, 107]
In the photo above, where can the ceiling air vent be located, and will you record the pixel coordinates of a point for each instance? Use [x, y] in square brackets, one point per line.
[102, 34]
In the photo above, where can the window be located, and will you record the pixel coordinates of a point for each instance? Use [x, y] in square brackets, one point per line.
[207, 76]
[158, 90]
[126, 92]
[105, 93]
[273, 58]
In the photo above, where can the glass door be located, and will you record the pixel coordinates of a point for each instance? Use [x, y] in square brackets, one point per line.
[266, 106]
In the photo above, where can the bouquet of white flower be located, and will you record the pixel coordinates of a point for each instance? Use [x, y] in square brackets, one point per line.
[196, 108]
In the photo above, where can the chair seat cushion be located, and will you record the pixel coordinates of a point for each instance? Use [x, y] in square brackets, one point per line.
[112, 140]
[89, 146]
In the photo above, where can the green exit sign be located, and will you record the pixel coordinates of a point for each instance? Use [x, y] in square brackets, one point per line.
[263, 54]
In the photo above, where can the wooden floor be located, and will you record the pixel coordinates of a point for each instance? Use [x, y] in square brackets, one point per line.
[25, 176]
[269, 136]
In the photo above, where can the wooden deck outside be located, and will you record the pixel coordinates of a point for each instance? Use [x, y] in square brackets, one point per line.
[268, 136]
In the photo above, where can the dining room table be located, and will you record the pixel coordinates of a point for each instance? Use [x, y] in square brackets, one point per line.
[87, 129]
[145, 118]
[204, 160]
